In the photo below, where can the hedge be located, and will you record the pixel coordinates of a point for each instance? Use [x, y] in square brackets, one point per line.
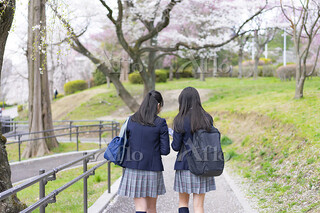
[74, 86]
[289, 72]
[135, 78]
[247, 71]
[3, 104]
[161, 76]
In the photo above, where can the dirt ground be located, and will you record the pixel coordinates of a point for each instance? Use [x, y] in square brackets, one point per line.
[62, 107]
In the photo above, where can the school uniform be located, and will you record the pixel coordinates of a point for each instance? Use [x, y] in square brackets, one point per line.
[143, 176]
[185, 181]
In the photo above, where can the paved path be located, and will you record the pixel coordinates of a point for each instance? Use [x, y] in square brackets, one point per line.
[223, 200]
[30, 168]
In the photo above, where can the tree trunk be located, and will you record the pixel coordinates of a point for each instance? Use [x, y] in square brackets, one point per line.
[257, 55]
[40, 117]
[215, 66]
[11, 204]
[6, 18]
[171, 73]
[202, 69]
[149, 76]
[300, 78]
[240, 59]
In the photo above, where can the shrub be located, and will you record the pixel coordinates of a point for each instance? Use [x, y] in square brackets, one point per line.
[3, 103]
[186, 72]
[135, 78]
[289, 71]
[161, 76]
[74, 86]
[266, 60]
[251, 62]
[20, 108]
[99, 78]
[281, 64]
[164, 70]
[269, 71]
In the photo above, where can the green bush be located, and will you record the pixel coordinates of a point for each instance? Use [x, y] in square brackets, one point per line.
[20, 108]
[99, 78]
[161, 76]
[247, 71]
[135, 78]
[186, 72]
[164, 70]
[3, 104]
[269, 71]
[74, 86]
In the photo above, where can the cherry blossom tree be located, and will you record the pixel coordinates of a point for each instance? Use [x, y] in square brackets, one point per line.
[303, 18]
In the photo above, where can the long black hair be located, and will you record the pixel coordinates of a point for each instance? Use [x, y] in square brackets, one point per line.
[148, 109]
[190, 105]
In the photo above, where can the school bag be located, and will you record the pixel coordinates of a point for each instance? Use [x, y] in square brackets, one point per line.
[206, 156]
[116, 149]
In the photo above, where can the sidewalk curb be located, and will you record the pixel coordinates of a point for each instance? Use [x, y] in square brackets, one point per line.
[105, 198]
[238, 193]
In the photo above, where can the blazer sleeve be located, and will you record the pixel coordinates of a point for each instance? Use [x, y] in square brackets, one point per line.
[177, 141]
[164, 139]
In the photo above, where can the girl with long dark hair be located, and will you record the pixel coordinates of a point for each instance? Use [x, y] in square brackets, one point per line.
[191, 117]
[148, 139]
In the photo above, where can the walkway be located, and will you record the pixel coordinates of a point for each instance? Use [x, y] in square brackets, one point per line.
[223, 200]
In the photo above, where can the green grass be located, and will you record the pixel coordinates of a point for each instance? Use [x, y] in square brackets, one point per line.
[13, 154]
[274, 139]
[98, 106]
[71, 200]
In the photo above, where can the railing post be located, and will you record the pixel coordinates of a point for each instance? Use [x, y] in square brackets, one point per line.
[85, 186]
[15, 130]
[112, 129]
[77, 134]
[109, 177]
[70, 130]
[42, 191]
[117, 124]
[19, 145]
[100, 132]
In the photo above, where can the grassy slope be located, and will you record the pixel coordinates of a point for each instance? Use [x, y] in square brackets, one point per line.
[275, 138]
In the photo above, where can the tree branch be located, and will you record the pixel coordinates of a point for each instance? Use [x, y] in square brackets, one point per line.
[110, 16]
[165, 20]
[183, 44]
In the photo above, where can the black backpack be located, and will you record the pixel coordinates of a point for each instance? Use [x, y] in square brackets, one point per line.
[206, 155]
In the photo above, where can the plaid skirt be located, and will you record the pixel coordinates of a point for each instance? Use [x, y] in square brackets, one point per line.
[141, 183]
[189, 183]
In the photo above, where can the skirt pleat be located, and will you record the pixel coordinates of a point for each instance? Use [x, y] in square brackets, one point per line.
[141, 183]
[186, 182]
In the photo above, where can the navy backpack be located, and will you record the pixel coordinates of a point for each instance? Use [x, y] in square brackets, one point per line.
[206, 156]
[115, 151]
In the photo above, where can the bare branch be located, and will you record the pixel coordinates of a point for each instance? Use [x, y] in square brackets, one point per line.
[315, 63]
[110, 11]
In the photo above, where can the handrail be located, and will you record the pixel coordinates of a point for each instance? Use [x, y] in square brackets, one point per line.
[54, 193]
[14, 190]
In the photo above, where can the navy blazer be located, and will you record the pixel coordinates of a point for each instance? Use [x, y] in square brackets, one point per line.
[146, 144]
[180, 139]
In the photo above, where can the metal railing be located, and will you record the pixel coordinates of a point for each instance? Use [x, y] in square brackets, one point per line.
[69, 130]
[44, 177]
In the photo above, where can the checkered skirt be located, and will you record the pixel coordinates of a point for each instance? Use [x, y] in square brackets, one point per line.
[187, 182]
[141, 183]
